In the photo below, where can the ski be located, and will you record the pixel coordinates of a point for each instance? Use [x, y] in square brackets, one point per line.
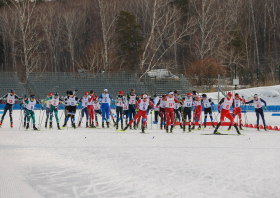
[144, 132]
[222, 134]
[121, 131]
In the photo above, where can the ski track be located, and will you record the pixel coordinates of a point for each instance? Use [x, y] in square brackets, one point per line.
[60, 164]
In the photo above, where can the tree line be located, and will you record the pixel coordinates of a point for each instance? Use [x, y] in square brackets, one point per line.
[199, 38]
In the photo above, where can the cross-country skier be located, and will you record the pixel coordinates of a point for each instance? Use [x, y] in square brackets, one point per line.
[237, 103]
[187, 104]
[72, 107]
[132, 99]
[30, 106]
[84, 100]
[207, 102]
[97, 110]
[227, 103]
[121, 100]
[170, 101]
[66, 107]
[197, 112]
[257, 101]
[48, 106]
[142, 104]
[125, 111]
[55, 101]
[90, 108]
[11, 97]
[24, 98]
[177, 109]
[105, 106]
[161, 105]
[156, 108]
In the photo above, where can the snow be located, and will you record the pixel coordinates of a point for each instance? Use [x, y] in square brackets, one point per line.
[270, 94]
[88, 163]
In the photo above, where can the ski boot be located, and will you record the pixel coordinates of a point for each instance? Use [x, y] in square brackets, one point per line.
[87, 124]
[27, 126]
[213, 125]
[193, 127]
[130, 127]
[46, 125]
[265, 128]
[205, 125]
[1, 123]
[50, 125]
[102, 124]
[34, 128]
[11, 125]
[166, 128]
[125, 128]
[184, 127]
[161, 127]
[240, 127]
[171, 129]
[181, 126]
[238, 132]
[96, 123]
[108, 125]
[117, 126]
[24, 124]
[135, 126]
[229, 128]
[190, 128]
[58, 126]
[74, 125]
[122, 126]
[258, 128]
[143, 129]
[79, 125]
[199, 127]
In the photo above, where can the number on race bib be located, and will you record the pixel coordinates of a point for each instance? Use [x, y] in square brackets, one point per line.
[10, 101]
[170, 104]
[72, 103]
[105, 99]
[237, 105]
[258, 106]
[86, 103]
[54, 103]
[32, 107]
[228, 107]
[132, 101]
[144, 106]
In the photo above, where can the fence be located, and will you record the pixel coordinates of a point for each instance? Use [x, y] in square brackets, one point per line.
[43, 83]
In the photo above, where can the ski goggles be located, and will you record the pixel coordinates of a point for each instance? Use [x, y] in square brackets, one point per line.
[33, 97]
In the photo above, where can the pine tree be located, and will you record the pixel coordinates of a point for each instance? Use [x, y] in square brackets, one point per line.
[129, 38]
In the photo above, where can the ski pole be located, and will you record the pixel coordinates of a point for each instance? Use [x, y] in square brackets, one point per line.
[20, 118]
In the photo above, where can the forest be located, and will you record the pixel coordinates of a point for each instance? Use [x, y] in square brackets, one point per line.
[197, 38]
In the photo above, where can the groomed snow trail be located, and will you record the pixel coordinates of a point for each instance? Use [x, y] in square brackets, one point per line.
[87, 163]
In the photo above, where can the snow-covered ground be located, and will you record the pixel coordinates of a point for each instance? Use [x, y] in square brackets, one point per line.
[89, 163]
[270, 94]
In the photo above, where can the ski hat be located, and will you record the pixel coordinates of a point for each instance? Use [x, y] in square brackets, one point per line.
[175, 92]
[56, 94]
[189, 94]
[86, 93]
[155, 95]
[50, 94]
[70, 92]
[194, 92]
[229, 94]
[171, 93]
[236, 95]
[24, 96]
[106, 90]
[120, 92]
[12, 91]
[32, 96]
[145, 96]
[204, 95]
[256, 95]
[197, 98]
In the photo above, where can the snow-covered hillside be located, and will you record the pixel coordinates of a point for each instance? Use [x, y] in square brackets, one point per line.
[270, 94]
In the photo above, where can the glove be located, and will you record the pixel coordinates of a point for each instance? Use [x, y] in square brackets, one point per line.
[219, 111]
[152, 112]
[265, 107]
[233, 114]
[42, 108]
[136, 110]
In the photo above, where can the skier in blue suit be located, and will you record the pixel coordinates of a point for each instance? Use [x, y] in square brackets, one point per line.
[105, 106]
